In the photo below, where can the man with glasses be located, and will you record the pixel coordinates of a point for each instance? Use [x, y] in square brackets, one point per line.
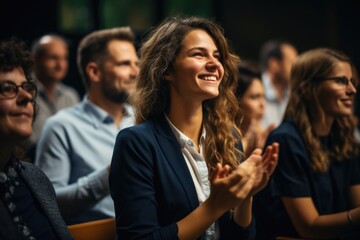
[76, 145]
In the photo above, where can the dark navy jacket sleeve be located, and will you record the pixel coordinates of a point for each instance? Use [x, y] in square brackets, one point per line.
[152, 188]
[133, 188]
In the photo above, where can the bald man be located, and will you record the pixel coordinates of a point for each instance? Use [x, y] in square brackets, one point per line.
[51, 66]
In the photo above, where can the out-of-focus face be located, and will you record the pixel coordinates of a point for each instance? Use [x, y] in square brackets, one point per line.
[119, 72]
[336, 95]
[252, 102]
[52, 66]
[289, 56]
[197, 71]
[16, 114]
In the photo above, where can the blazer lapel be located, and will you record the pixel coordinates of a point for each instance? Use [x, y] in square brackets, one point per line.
[37, 189]
[175, 158]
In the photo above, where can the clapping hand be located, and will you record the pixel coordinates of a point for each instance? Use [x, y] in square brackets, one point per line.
[265, 166]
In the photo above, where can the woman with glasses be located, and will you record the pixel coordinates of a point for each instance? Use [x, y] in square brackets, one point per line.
[28, 208]
[315, 190]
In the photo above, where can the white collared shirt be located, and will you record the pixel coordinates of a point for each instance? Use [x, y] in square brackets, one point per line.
[275, 108]
[197, 167]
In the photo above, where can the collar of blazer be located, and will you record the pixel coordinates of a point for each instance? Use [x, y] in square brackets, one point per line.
[171, 149]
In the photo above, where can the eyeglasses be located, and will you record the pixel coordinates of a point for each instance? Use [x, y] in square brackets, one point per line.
[343, 81]
[9, 89]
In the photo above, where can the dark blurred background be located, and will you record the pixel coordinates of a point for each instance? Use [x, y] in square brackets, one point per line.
[247, 24]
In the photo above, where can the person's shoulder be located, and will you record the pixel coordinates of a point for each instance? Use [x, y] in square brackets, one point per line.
[66, 116]
[287, 127]
[65, 87]
[140, 130]
[68, 91]
[286, 133]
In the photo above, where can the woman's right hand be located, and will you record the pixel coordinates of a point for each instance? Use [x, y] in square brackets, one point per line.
[231, 188]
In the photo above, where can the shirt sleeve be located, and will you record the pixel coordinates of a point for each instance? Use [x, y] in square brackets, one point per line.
[53, 158]
[290, 178]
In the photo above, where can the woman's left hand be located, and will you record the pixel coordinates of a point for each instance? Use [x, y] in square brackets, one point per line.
[264, 167]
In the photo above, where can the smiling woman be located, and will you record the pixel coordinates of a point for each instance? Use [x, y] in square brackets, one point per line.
[28, 207]
[178, 175]
[315, 192]
[250, 94]
[16, 107]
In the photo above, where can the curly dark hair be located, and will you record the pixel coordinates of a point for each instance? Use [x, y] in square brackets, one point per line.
[13, 54]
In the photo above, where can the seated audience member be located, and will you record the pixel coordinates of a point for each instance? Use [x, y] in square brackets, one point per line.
[315, 191]
[76, 145]
[50, 53]
[356, 107]
[251, 98]
[28, 208]
[177, 175]
[276, 57]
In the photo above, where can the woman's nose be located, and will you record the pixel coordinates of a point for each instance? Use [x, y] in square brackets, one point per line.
[24, 96]
[351, 88]
[213, 64]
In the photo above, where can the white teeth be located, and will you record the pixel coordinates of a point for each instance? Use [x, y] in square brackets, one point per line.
[210, 78]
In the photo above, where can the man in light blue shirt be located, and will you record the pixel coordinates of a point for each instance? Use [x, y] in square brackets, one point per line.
[75, 147]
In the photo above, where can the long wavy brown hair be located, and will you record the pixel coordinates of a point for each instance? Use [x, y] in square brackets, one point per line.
[158, 54]
[306, 75]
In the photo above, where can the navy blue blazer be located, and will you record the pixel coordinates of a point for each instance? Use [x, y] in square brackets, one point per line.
[152, 188]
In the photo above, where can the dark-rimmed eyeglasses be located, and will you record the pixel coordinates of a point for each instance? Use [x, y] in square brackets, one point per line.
[343, 81]
[9, 89]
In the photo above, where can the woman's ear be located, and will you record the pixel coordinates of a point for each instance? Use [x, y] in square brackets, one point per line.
[168, 76]
[304, 90]
[92, 70]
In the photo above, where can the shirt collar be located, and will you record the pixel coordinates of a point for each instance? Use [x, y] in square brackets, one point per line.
[100, 116]
[182, 138]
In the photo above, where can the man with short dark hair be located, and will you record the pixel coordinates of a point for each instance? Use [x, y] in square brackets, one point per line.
[76, 145]
[276, 57]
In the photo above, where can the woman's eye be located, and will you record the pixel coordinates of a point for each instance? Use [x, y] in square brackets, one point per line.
[197, 54]
[8, 88]
[342, 81]
[217, 57]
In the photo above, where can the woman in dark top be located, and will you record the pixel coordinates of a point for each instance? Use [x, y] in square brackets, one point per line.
[250, 94]
[28, 209]
[315, 190]
[177, 174]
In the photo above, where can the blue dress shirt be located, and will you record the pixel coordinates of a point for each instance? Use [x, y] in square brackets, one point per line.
[74, 151]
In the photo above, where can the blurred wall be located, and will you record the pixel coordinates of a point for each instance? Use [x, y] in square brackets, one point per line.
[247, 24]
